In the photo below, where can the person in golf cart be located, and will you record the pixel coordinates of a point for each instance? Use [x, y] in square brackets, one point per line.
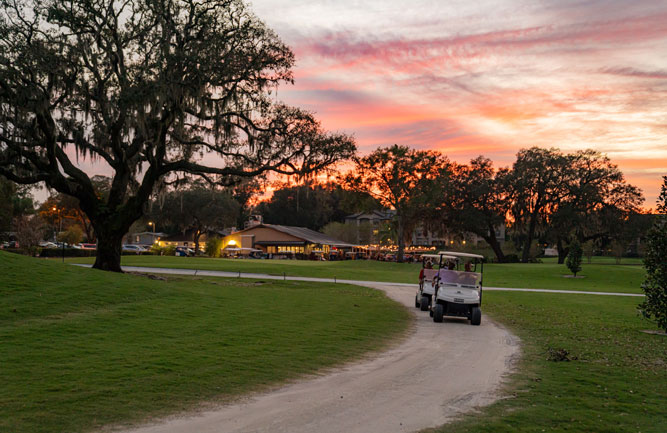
[427, 265]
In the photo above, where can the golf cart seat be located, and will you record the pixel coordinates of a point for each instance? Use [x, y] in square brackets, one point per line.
[458, 278]
[430, 274]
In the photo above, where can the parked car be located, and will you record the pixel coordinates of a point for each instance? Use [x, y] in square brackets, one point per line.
[88, 246]
[133, 248]
[47, 244]
[184, 252]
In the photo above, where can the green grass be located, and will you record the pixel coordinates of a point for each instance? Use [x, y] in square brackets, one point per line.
[616, 380]
[81, 349]
[596, 277]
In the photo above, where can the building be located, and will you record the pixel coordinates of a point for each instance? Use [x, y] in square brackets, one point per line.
[185, 239]
[144, 238]
[297, 242]
[369, 224]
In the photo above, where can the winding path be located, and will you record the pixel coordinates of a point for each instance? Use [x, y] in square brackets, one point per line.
[439, 371]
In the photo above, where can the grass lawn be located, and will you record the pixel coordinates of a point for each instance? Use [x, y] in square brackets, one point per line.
[596, 277]
[83, 349]
[616, 380]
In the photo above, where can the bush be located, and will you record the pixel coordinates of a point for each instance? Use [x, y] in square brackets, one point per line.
[213, 247]
[655, 285]
[573, 260]
[169, 250]
[72, 235]
[69, 252]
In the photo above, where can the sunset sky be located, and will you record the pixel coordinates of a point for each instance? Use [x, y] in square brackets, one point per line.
[485, 77]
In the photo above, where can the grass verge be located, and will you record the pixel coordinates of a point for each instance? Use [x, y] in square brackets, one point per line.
[595, 277]
[586, 367]
[82, 349]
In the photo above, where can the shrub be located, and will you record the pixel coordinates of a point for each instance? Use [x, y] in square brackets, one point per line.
[73, 235]
[573, 260]
[169, 250]
[655, 285]
[213, 246]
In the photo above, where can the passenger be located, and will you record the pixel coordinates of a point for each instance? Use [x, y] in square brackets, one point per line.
[427, 265]
[451, 265]
[468, 266]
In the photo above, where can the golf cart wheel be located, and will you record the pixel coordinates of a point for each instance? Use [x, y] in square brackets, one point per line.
[438, 311]
[424, 303]
[476, 318]
[416, 302]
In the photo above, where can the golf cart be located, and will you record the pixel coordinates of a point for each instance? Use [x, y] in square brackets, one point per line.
[428, 277]
[458, 290]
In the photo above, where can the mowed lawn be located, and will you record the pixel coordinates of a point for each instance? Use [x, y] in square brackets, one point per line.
[614, 381]
[599, 276]
[82, 349]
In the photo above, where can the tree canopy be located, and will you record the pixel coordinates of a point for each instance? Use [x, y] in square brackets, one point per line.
[147, 88]
[404, 179]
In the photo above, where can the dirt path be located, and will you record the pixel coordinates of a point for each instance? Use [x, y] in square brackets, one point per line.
[439, 371]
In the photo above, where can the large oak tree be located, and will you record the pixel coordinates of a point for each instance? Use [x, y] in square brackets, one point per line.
[407, 180]
[149, 89]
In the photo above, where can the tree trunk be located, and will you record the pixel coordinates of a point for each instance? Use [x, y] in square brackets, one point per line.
[401, 240]
[109, 247]
[197, 235]
[525, 255]
[562, 252]
[495, 246]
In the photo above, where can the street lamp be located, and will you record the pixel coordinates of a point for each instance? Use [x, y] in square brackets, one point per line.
[60, 229]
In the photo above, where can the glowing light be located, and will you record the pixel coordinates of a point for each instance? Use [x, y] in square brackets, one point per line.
[232, 242]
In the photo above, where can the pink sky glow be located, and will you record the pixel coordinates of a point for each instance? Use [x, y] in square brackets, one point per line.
[485, 77]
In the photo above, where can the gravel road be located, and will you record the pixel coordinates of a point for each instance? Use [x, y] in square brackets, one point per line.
[439, 371]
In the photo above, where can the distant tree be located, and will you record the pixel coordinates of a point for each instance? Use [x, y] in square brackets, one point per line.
[303, 206]
[403, 179]
[29, 231]
[213, 246]
[15, 201]
[588, 249]
[245, 193]
[72, 236]
[595, 200]
[538, 181]
[146, 88]
[655, 261]
[67, 207]
[198, 210]
[477, 202]
[573, 260]
[341, 231]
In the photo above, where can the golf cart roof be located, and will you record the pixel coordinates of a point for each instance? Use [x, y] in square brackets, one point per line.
[437, 256]
[455, 254]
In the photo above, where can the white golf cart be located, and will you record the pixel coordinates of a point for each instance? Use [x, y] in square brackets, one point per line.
[427, 282]
[459, 288]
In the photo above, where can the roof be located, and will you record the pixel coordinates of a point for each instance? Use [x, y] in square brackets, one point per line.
[308, 235]
[158, 234]
[375, 214]
[456, 254]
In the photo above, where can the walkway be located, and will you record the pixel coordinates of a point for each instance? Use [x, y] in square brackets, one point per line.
[204, 273]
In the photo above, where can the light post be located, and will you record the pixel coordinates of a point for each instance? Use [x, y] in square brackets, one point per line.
[60, 229]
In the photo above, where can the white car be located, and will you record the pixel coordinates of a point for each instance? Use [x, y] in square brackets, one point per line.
[133, 248]
[459, 292]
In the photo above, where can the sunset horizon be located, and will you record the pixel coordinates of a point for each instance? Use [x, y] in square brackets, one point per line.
[486, 79]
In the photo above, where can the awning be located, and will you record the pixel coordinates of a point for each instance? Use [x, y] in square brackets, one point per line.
[281, 243]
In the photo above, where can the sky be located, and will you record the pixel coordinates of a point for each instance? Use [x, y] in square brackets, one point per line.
[483, 77]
